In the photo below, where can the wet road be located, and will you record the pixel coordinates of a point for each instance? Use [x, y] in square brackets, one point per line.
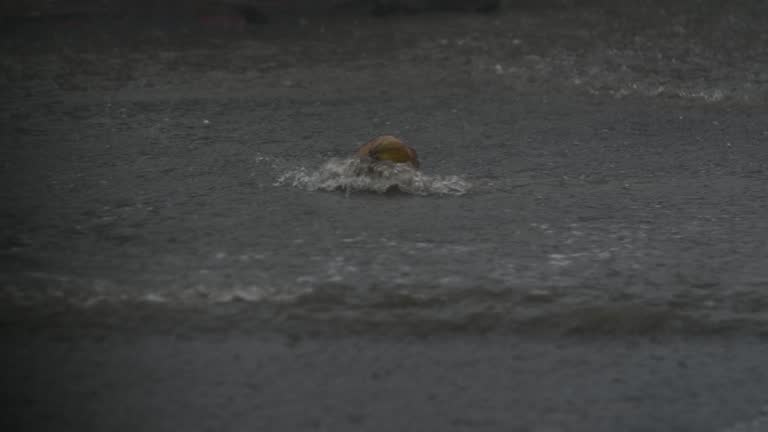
[592, 195]
[236, 382]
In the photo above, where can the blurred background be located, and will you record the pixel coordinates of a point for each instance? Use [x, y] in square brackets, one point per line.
[263, 10]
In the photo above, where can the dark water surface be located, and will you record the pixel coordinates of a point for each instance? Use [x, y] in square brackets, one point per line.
[583, 171]
[579, 170]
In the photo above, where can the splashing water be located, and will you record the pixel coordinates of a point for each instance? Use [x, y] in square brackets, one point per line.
[353, 174]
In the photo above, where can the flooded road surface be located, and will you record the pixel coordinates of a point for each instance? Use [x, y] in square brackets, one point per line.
[233, 382]
[584, 172]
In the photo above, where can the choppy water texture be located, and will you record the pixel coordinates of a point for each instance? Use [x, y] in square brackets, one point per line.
[354, 175]
[583, 170]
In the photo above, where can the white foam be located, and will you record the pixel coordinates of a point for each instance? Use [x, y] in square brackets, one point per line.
[352, 175]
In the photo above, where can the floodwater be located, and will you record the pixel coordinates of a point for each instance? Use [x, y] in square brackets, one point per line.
[584, 171]
[601, 173]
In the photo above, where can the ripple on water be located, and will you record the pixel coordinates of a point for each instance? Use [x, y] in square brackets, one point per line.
[354, 175]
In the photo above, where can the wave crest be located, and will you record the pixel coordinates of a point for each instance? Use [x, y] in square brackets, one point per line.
[352, 175]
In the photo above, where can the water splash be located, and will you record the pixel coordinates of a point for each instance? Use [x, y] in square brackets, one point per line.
[353, 175]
